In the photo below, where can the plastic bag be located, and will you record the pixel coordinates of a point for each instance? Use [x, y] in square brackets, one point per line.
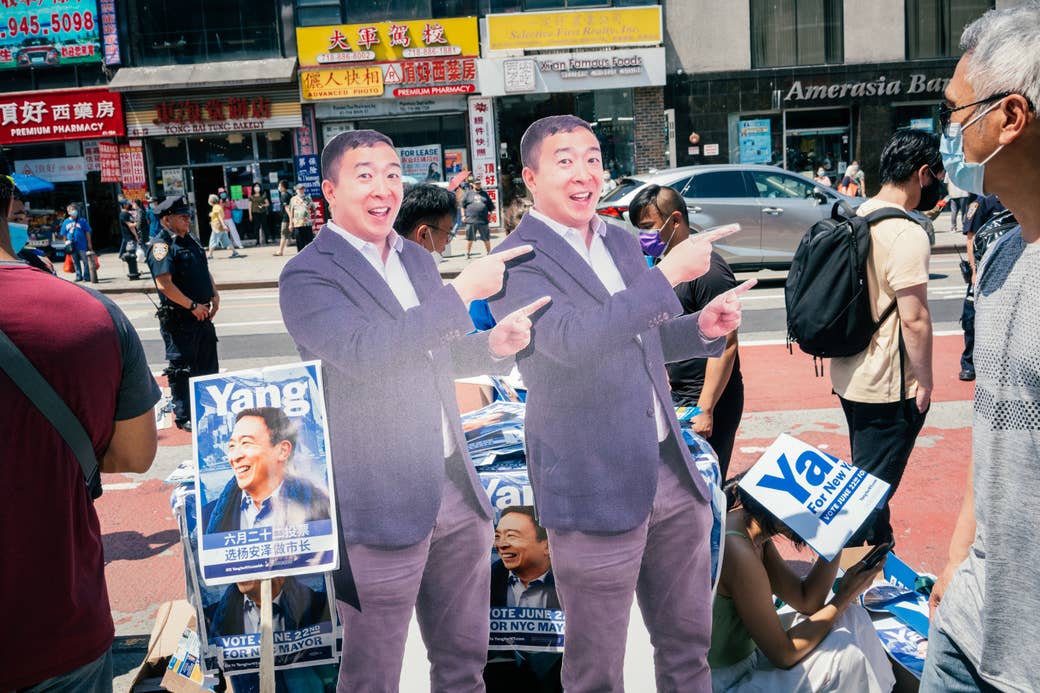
[140, 254]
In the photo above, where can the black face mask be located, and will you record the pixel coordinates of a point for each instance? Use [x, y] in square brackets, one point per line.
[931, 194]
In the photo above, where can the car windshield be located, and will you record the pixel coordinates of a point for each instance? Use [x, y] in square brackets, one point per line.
[625, 186]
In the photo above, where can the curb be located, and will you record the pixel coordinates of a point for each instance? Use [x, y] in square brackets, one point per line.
[273, 283]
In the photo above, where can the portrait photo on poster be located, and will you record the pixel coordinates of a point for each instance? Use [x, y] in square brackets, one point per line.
[305, 626]
[263, 474]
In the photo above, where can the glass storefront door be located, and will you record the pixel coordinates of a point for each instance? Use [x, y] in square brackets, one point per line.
[818, 138]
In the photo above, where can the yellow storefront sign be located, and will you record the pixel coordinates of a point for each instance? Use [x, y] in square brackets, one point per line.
[343, 44]
[573, 29]
[341, 83]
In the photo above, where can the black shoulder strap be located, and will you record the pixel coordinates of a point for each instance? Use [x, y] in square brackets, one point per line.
[42, 395]
[887, 213]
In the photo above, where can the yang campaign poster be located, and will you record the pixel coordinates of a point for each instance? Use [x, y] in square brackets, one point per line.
[823, 499]
[525, 609]
[305, 626]
[264, 476]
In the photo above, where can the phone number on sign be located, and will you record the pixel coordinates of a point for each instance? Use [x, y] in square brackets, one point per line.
[59, 23]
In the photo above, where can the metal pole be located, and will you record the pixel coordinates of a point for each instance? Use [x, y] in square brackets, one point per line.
[91, 268]
[266, 639]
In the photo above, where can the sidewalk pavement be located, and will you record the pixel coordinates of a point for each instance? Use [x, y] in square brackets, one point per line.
[259, 269]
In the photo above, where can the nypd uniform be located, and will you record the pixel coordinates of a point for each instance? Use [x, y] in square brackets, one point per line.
[191, 344]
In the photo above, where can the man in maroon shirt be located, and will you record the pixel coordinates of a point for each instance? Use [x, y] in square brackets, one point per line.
[52, 584]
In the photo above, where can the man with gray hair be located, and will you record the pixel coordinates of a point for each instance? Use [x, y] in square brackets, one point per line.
[985, 603]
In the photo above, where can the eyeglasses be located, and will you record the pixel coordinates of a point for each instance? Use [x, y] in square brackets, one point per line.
[945, 111]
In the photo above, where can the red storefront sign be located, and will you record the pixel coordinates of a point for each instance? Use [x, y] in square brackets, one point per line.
[46, 116]
[111, 171]
[131, 164]
[213, 110]
[432, 77]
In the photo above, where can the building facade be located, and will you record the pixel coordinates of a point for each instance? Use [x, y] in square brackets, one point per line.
[808, 84]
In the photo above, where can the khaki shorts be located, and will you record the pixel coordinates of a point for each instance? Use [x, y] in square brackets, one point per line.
[286, 231]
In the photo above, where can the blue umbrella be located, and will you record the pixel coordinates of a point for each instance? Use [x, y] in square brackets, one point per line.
[28, 184]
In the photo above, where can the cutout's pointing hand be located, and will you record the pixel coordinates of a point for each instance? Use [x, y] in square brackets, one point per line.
[484, 277]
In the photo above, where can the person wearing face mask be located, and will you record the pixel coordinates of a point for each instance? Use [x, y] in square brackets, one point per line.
[715, 385]
[426, 217]
[259, 206]
[822, 178]
[229, 220]
[79, 234]
[18, 229]
[985, 602]
[886, 389]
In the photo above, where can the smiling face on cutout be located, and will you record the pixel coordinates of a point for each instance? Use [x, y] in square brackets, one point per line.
[364, 190]
[565, 176]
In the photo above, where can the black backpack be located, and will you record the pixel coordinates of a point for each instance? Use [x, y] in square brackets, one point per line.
[828, 304]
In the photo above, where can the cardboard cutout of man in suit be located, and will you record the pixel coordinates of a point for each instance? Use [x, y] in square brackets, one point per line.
[625, 508]
[392, 337]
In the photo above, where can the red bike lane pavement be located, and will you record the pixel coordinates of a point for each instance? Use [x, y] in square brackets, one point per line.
[144, 564]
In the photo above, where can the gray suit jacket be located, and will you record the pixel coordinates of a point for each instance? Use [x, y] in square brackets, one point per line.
[590, 430]
[387, 373]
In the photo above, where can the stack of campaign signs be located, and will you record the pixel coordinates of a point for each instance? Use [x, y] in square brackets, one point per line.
[527, 624]
[261, 506]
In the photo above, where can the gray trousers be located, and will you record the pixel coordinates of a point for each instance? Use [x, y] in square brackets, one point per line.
[446, 579]
[665, 562]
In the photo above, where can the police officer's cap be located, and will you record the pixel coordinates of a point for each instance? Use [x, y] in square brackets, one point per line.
[172, 205]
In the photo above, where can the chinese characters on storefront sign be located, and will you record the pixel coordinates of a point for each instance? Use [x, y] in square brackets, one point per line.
[342, 83]
[212, 110]
[67, 115]
[109, 32]
[484, 148]
[109, 162]
[322, 46]
[131, 164]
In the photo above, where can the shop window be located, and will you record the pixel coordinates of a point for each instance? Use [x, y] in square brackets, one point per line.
[318, 12]
[453, 8]
[167, 151]
[717, 184]
[502, 6]
[213, 149]
[275, 144]
[167, 32]
[933, 27]
[383, 10]
[796, 32]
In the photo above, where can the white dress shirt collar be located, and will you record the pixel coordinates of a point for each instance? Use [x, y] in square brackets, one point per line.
[598, 226]
[393, 240]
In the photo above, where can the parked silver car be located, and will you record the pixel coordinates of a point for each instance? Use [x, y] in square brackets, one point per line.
[773, 206]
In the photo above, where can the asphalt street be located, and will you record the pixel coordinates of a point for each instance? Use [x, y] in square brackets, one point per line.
[143, 556]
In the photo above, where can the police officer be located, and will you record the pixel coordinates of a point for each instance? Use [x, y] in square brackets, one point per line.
[189, 301]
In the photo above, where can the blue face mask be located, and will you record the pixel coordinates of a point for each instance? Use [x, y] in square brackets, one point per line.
[19, 235]
[966, 175]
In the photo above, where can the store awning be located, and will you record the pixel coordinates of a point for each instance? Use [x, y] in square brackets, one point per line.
[205, 75]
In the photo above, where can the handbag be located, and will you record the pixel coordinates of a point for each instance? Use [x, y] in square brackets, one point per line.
[29, 380]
